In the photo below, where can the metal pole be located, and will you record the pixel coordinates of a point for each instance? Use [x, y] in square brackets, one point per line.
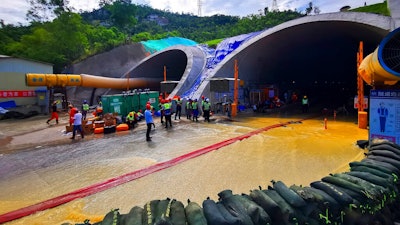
[235, 89]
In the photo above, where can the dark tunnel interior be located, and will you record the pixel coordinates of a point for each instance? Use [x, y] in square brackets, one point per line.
[175, 62]
[317, 59]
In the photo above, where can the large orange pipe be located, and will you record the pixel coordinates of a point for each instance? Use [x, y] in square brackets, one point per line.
[383, 65]
[84, 80]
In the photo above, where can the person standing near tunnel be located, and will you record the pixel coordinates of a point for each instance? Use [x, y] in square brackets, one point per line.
[72, 112]
[189, 109]
[206, 109]
[195, 108]
[178, 108]
[149, 121]
[305, 104]
[85, 109]
[167, 113]
[77, 121]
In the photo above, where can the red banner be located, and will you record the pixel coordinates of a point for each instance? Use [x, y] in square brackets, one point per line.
[17, 94]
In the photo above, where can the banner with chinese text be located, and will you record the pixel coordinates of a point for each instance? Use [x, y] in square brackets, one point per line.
[17, 94]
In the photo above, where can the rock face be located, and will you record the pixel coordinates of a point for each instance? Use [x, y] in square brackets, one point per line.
[115, 64]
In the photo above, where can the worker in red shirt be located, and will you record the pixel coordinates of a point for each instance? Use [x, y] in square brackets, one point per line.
[72, 111]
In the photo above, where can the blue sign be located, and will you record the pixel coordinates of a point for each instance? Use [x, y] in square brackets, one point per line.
[384, 115]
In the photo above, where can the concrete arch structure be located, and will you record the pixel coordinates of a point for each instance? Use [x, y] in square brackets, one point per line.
[183, 63]
[305, 51]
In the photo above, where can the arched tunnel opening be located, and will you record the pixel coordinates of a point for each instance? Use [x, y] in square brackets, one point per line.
[175, 62]
[317, 59]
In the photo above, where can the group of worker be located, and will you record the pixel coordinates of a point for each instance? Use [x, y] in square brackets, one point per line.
[193, 109]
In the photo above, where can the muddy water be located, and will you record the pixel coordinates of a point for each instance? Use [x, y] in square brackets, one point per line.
[298, 153]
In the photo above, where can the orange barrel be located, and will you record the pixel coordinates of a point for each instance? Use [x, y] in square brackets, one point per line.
[122, 127]
[99, 130]
[362, 120]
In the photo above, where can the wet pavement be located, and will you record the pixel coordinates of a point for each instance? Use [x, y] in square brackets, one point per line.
[297, 153]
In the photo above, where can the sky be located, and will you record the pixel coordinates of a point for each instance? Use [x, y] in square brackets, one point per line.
[14, 11]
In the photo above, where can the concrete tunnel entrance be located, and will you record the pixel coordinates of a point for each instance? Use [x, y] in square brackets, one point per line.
[317, 59]
[175, 61]
[314, 56]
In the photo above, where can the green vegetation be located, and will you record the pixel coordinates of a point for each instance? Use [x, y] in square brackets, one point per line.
[380, 8]
[71, 37]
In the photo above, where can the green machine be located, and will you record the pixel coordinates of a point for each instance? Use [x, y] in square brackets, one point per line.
[124, 103]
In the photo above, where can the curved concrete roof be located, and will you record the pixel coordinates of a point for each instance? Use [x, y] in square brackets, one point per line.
[307, 51]
[183, 63]
[302, 55]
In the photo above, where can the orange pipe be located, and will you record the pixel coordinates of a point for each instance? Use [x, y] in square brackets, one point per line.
[84, 80]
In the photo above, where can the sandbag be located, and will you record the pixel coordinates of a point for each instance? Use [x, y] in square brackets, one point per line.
[215, 217]
[177, 213]
[134, 217]
[194, 214]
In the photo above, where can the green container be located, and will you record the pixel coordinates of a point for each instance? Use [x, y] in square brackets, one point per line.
[114, 104]
[150, 96]
[122, 104]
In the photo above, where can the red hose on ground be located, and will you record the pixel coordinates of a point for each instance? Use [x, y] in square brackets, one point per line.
[104, 185]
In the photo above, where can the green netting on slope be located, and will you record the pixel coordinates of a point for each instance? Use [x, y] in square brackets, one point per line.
[158, 45]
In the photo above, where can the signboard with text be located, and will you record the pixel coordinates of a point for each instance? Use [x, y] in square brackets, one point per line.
[384, 115]
[17, 94]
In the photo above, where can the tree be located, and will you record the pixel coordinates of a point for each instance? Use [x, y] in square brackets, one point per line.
[123, 15]
[45, 10]
[309, 8]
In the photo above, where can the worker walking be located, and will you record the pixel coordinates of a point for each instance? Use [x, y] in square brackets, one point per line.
[54, 113]
[149, 121]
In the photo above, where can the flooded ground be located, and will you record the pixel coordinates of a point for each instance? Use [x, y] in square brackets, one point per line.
[297, 153]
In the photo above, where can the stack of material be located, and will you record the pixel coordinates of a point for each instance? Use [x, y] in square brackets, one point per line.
[88, 127]
[109, 120]
[110, 123]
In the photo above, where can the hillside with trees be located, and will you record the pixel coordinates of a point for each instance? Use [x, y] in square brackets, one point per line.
[71, 37]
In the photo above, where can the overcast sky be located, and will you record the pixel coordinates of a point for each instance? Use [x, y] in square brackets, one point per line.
[14, 11]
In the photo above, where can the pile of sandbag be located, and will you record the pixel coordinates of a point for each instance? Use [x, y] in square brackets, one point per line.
[367, 194]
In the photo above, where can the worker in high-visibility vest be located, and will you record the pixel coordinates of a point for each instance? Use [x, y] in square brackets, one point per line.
[85, 109]
[167, 112]
[161, 106]
[195, 108]
[178, 108]
[189, 109]
[206, 109]
[305, 104]
[131, 119]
